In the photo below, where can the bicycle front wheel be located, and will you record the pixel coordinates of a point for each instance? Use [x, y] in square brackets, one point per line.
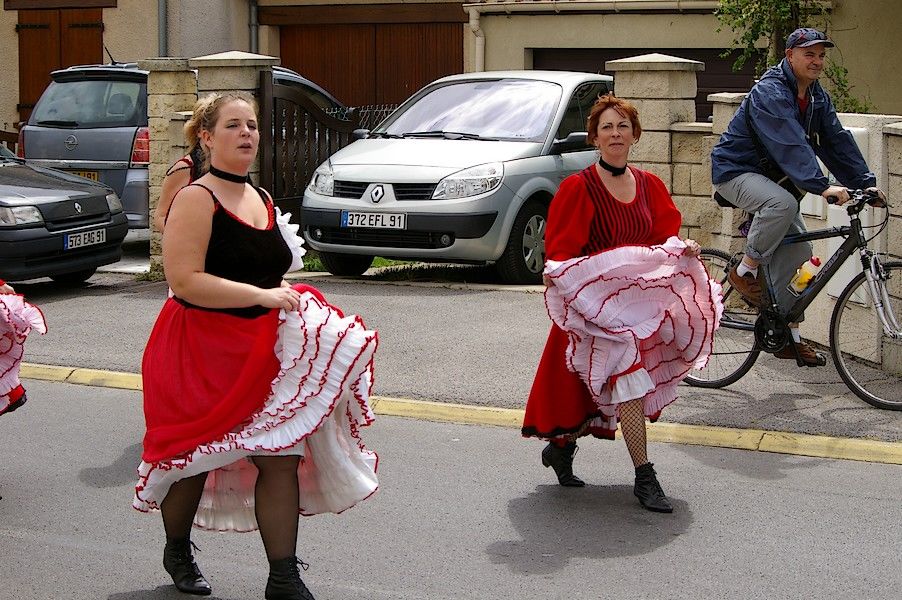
[734, 350]
[868, 360]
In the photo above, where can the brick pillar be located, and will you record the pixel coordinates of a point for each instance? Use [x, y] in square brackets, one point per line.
[171, 88]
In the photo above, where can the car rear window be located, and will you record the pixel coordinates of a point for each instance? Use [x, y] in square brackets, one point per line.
[92, 103]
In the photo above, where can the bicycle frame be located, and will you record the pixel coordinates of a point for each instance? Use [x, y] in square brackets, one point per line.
[854, 241]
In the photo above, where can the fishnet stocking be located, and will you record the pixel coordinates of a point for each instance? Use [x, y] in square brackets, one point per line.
[632, 426]
[277, 501]
[180, 505]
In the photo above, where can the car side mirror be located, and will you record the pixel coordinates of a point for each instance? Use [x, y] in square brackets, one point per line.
[576, 140]
[360, 134]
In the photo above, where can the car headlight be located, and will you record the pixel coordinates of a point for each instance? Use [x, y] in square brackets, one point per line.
[11, 216]
[323, 182]
[470, 182]
[113, 202]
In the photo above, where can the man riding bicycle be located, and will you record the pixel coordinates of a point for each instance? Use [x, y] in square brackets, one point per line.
[767, 159]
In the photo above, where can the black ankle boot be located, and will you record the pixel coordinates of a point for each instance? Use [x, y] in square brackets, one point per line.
[179, 563]
[648, 490]
[285, 580]
[561, 460]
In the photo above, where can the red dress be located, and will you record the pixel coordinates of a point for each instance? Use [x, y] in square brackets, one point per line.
[585, 219]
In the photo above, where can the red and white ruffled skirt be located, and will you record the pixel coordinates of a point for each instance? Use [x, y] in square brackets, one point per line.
[219, 389]
[17, 319]
[629, 323]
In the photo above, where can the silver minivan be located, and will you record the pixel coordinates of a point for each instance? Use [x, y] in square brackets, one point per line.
[461, 172]
[92, 121]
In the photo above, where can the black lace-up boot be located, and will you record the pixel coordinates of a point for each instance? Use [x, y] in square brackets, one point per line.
[178, 561]
[648, 490]
[561, 460]
[285, 581]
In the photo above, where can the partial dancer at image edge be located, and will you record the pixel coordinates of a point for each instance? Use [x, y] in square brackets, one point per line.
[633, 308]
[254, 390]
[17, 319]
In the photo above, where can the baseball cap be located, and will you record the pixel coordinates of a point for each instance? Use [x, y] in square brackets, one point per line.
[806, 36]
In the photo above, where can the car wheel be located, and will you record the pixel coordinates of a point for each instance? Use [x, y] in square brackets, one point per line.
[524, 257]
[74, 278]
[345, 264]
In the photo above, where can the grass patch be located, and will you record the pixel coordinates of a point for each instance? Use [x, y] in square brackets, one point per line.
[312, 263]
[154, 274]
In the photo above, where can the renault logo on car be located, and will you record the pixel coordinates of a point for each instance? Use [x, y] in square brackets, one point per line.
[377, 194]
[71, 142]
[78, 208]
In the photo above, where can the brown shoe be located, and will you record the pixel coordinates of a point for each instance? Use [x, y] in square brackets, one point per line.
[807, 354]
[748, 286]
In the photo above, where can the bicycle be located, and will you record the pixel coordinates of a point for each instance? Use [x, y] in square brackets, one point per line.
[865, 333]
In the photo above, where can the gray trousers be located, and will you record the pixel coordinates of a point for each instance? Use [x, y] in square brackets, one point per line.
[776, 214]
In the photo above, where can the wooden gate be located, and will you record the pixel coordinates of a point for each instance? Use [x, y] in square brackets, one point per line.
[54, 39]
[296, 137]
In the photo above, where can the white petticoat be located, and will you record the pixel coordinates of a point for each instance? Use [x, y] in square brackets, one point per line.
[17, 319]
[318, 403]
[638, 319]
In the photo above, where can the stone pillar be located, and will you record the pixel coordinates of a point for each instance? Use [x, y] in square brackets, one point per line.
[171, 88]
[724, 106]
[231, 71]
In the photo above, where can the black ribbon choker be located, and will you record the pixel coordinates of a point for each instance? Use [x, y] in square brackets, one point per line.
[615, 171]
[227, 176]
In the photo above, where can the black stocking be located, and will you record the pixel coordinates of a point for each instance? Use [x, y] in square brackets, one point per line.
[277, 499]
[632, 425]
[180, 505]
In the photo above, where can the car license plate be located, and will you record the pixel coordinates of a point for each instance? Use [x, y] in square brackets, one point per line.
[373, 220]
[85, 238]
[92, 175]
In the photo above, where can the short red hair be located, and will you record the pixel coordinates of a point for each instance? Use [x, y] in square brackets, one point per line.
[624, 107]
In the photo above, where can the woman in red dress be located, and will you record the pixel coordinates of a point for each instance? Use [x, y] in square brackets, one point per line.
[614, 212]
[254, 390]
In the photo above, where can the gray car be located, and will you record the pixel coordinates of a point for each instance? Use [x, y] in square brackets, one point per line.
[92, 121]
[463, 172]
[55, 224]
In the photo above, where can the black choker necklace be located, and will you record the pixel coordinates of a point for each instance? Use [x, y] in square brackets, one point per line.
[615, 171]
[227, 176]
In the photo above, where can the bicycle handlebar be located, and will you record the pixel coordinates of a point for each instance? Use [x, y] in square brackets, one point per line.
[859, 197]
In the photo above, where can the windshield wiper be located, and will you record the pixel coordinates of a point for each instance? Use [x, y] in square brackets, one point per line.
[60, 123]
[384, 134]
[448, 135]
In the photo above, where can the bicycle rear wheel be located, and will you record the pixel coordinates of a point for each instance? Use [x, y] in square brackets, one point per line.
[734, 350]
[868, 360]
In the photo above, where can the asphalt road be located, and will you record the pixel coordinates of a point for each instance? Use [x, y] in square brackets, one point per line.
[463, 512]
[476, 346]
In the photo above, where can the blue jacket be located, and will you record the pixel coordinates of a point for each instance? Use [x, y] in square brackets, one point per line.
[790, 139]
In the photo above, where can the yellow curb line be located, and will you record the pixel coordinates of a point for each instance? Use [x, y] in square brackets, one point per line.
[95, 377]
[780, 442]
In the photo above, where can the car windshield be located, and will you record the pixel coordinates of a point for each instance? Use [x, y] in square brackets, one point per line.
[503, 109]
[6, 153]
[91, 103]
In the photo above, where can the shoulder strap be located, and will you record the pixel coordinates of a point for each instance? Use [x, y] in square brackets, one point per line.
[209, 191]
[175, 168]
